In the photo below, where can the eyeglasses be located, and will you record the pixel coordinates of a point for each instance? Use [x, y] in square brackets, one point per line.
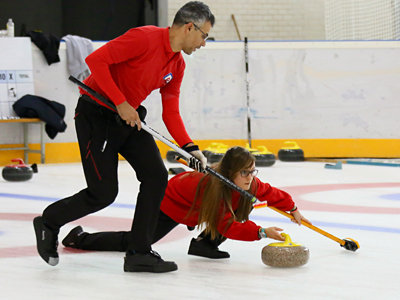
[246, 173]
[205, 35]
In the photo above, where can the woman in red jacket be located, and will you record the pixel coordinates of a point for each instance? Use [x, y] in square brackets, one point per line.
[197, 199]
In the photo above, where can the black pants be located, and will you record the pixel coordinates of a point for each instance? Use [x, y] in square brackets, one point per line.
[94, 126]
[119, 240]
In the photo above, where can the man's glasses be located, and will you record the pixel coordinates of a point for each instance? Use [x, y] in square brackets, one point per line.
[205, 35]
[246, 173]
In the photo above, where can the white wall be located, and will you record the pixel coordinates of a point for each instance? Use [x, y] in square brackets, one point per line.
[326, 91]
[263, 19]
[298, 90]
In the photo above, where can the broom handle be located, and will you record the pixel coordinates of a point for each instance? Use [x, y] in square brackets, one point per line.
[237, 28]
[332, 237]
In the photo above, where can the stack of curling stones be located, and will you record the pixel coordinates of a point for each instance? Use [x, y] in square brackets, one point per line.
[264, 158]
[19, 172]
[291, 152]
[285, 254]
[216, 151]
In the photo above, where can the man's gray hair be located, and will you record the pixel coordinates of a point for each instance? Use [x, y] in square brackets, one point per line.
[194, 12]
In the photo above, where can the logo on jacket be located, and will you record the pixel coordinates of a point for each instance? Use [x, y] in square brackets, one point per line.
[168, 78]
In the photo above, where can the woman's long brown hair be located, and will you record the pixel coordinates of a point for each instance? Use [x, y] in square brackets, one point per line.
[217, 196]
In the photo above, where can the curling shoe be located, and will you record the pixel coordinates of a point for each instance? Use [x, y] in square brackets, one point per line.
[147, 262]
[71, 240]
[204, 249]
[46, 242]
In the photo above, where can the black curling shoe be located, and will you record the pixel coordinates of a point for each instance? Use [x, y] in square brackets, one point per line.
[148, 262]
[204, 249]
[72, 237]
[46, 242]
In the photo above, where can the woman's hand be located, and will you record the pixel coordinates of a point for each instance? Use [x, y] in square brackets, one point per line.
[273, 233]
[298, 217]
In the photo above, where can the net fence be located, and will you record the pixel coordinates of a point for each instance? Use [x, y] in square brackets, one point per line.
[362, 19]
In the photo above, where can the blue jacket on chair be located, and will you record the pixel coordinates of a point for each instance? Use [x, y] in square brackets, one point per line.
[51, 112]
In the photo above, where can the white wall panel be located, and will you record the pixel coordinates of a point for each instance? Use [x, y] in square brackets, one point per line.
[297, 90]
[325, 93]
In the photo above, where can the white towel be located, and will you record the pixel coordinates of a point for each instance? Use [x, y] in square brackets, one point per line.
[78, 48]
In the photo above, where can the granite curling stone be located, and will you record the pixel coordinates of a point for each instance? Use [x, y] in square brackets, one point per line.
[291, 152]
[215, 152]
[285, 254]
[171, 154]
[264, 158]
[20, 172]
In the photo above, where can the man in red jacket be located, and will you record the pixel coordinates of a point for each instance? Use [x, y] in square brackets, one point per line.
[126, 70]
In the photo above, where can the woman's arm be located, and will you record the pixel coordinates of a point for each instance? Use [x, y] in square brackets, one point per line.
[274, 196]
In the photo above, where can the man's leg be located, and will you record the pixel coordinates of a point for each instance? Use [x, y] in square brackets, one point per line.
[100, 170]
[143, 155]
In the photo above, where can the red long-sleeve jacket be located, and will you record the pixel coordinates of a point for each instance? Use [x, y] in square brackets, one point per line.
[180, 195]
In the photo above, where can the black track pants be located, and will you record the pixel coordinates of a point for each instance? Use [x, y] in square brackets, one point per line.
[119, 240]
[94, 126]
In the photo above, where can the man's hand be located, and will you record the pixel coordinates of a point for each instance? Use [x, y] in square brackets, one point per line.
[199, 155]
[192, 163]
[129, 115]
[196, 164]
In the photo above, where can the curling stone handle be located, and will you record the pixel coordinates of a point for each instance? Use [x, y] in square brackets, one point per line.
[290, 145]
[288, 240]
[19, 160]
[262, 148]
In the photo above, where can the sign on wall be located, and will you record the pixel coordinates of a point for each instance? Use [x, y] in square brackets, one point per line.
[16, 76]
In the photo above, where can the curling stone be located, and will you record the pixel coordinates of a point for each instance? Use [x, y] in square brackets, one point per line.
[264, 158]
[217, 153]
[291, 152]
[211, 149]
[20, 172]
[285, 254]
[171, 154]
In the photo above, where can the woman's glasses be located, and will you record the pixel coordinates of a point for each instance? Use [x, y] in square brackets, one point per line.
[246, 173]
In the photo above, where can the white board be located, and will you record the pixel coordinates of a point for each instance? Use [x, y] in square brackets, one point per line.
[16, 76]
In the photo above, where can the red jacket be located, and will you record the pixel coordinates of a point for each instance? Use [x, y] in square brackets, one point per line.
[135, 64]
[181, 192]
